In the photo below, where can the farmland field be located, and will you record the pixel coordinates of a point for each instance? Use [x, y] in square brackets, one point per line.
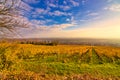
[60, 62]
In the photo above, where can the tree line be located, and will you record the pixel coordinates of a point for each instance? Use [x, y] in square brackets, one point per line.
[51, 43]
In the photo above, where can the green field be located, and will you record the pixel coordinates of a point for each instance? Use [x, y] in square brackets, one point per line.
[61, 62]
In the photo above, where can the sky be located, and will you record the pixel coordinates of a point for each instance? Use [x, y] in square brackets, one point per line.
[71, 18]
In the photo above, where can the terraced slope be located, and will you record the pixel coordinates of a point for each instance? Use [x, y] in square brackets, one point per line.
[94, 57]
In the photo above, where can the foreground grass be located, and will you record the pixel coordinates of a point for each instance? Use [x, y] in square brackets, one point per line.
[58, 68]
[59, 62]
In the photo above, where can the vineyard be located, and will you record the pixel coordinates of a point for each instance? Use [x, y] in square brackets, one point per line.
[64, 62]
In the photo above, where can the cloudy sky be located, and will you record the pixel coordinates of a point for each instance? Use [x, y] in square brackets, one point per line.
[71, 18]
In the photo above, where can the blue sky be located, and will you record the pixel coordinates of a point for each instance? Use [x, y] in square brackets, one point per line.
[71, 18]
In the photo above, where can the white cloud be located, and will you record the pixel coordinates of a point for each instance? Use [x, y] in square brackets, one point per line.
[114, 7]
[62, 26]
[64, 2]
[41, 11]
[93, 14]
[46, 31]
[74, 3]
[56, 27]
[83, 20]
[84, 2]
[32, 1]
[38, 22]
[52, 5]
[25, 6]
[59, 13]
[65, 7]
[109, 28]
[68, 19]
[110, 0]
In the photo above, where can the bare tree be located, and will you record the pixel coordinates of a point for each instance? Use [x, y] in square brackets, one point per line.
[10, 18]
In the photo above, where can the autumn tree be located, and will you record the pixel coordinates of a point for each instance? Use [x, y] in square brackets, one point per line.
[10, 17]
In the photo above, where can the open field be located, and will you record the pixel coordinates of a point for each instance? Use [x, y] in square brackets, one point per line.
[61, 62]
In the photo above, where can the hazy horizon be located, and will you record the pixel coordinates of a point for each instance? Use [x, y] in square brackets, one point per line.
[60, 38]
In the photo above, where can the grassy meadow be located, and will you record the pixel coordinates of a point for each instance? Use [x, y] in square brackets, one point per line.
[60, 62]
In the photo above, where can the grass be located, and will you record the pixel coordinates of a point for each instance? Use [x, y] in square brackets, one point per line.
[72, 68]
[58, 60]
